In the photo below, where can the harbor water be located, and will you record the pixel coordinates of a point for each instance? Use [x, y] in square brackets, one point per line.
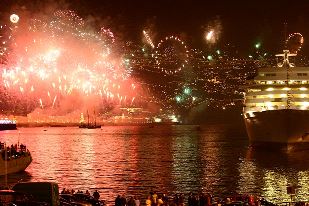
[133, 160]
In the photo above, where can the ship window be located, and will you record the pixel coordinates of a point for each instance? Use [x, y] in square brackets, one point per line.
[269, 89]
[301, 74]
[280, 82]
[254, 97]
[270, 74]
[254, 90]
[278, 99]
[270, 82]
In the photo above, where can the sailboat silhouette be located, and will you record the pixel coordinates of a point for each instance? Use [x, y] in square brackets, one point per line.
[89, 125]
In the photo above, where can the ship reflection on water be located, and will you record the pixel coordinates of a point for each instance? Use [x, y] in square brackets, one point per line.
[11, 179]
[133, 160]
[278, 170]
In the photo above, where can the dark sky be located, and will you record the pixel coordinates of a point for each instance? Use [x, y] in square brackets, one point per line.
[243, 22]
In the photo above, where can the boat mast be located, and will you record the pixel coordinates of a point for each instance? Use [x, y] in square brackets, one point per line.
[95, 118]
[6, 165]
[286, 64]
[286, 61]
[87, 117]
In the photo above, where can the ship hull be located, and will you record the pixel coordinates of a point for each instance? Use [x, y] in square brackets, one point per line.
[8, 127]
[15, 165]
[285, 126]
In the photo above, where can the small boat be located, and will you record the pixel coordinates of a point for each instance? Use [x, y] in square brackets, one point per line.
[83, 125]
[11, 197]
[89, 126]
[94, 126]
[80, 199]
[44, 193]
[14, 159]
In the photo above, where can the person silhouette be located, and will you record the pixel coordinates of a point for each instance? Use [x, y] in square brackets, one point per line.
[96, 195]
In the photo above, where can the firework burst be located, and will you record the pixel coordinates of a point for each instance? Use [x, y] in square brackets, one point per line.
[51, 59]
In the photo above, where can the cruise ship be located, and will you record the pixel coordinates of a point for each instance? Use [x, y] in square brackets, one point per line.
[7, 124]
[276, 104]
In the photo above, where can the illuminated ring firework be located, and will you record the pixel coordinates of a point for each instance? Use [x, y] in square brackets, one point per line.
[294, 42]
[164, 54]
[14, 18]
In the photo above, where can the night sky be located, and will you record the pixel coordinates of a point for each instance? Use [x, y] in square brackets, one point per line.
[243, 23]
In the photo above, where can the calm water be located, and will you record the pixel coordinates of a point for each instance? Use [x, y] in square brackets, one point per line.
[132, 160]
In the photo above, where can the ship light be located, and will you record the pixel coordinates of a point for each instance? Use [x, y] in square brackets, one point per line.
[269, 105]
[286, 88]
[270, 89]
[271, 96]
[280, 82]
[269, 82]
[157, 119]
[251, 114]
[303, 89]
[303, 95]
[304, 82]
[7, 121]
[304, 106]
[283, 95]
[173, 118]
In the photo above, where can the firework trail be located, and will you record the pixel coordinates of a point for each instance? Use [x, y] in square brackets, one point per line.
[148, 39]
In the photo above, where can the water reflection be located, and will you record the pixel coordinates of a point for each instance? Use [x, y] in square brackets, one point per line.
[11, 179]
[186, 170]
[133, 160]
[273, 170]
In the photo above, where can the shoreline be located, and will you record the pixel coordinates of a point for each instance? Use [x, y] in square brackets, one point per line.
[20, 125]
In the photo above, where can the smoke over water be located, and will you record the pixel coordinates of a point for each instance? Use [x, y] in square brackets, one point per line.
[57, 63]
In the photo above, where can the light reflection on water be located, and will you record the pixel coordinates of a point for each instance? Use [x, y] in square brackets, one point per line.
[132, 160]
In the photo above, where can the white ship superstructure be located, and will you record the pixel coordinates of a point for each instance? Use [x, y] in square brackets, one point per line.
[277, 104]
